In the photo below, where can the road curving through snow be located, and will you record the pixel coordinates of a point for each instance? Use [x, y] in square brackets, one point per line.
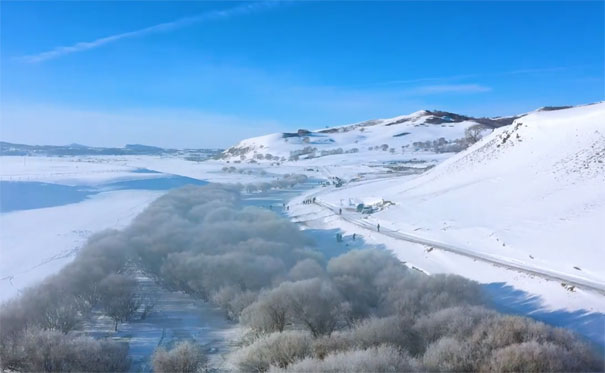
[503, 262]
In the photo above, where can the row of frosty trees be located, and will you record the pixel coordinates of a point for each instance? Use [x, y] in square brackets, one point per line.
[358, 312]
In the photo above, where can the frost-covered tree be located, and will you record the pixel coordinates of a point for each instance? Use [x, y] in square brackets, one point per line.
[474, 133]
[271, 312]
[317, 305]
[363, 277]
[118, 297]
[540, 357]
[306, 269]
[40, 350]
[233, 300]
[376, 359]
[449, 355]
[276, 349]
[185, 357]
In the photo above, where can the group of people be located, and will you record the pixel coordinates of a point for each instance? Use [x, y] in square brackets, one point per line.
[309, 201]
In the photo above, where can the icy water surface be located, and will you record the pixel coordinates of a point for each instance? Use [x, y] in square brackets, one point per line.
[324, 239]
[33, 195]
[175, 317]
[26, 195]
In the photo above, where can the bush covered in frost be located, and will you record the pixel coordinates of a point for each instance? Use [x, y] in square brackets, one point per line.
[276, 349]
[39, 350]
[185, 357]
[374, 359]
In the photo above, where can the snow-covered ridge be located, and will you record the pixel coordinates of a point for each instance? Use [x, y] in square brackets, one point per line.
[433, 131]
[567, 144]
[531, 193]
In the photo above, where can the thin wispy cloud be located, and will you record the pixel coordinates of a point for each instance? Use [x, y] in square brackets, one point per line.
[159, 28]
[450, 88]
[536, 71]
[459, 77]
[423, 80]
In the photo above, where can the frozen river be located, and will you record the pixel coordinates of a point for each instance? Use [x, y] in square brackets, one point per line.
[28, 195]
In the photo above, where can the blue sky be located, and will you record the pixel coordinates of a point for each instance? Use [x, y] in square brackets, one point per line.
[207, 74]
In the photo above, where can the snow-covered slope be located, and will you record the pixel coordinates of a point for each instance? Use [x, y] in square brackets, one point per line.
[37, 243]
[532, 193]
[433, 131]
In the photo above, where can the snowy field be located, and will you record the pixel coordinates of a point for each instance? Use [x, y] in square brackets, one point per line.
[530, 194]
[39, 242]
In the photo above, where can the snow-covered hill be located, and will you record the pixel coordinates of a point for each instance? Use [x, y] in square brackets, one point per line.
[424, 131]
[531, 193]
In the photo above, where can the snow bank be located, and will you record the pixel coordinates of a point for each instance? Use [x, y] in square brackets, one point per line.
[37, 243]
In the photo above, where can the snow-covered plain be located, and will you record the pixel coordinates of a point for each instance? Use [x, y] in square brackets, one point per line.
[78, 170]
[39, 242]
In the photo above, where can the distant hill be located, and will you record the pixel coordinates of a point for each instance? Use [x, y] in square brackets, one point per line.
[424, 131]
[7, 149]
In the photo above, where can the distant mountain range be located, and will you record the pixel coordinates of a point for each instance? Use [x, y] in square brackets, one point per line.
[425, 130]
[7, 148]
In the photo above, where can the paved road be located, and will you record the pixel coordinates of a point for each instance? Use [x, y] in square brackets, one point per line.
[510, 264]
